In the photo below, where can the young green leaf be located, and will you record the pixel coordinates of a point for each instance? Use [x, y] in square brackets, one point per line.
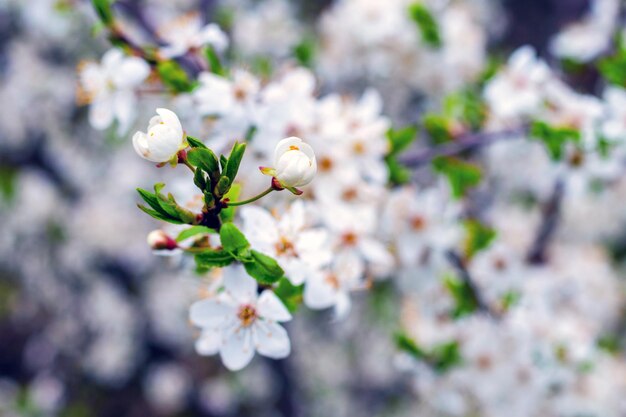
[263, 268]
[464, 298]
[554, 138]
[227, 214]
[401, 139]
[234, 160]
[478, 237]
[174, 77]
[199, 179]
[195, 143]
[223, 185]
[214, 61]
[159, 216]
[461, 175]
[103, 9]
[194, 231]
[426, 24]
[408, 345]
[206, 160]
[213, 258]
[234, 242]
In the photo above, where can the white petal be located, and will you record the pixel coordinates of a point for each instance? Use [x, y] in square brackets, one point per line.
[239, 285]
[101, 112]
[237, 349]
[171, 119]
[140, 143]
[259, 226]
[284, 146]
[270, 307]
[271, 340]
[125, 108]
[343, 305]
[131, 73]
[209, 342]
[318, 293]
[211, 312]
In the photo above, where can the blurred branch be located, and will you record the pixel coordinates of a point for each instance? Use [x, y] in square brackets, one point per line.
[463, 143]
[549, 223]
[458, 263]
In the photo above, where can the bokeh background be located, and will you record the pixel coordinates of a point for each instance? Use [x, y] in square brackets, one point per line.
[91, 323]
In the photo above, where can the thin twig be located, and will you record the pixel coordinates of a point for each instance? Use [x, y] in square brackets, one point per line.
[458, 263]
[551, 214]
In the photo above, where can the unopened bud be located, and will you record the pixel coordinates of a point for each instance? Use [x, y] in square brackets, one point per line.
[159, 240]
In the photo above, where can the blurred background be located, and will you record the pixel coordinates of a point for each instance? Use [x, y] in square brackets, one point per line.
[91, 323]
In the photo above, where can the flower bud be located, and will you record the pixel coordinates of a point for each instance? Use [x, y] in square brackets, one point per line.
[165, 137]
[159, 240]
[294, 163]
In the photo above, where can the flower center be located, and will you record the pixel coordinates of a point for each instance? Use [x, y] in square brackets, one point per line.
[240, 94]
[358, 148]
[349, 239]
[247, 315]
[350, 194]
[417, 223]
[332, 280]
[326, 164]
[285, 247]
[294, 148]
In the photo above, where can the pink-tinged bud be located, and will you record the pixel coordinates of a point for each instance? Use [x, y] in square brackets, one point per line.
[159, 240]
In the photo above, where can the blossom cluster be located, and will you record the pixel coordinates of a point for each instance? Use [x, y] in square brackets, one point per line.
[457, 212]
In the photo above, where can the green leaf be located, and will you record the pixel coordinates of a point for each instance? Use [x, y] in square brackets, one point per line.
[213, 258]
[426, 24]
[174, 77]
[152, 201]
[463, 295]
[234, 242]
[461, 175]
[195, 143]
[8, 180]
[401, 139]
[170, 206]
[199, 179]
[291, 295]
[441, 357]
[438, 128]
[445, 356]
[408, 345]
[478, 237]
[206, 160]
[103, 9]
[194, 231]
[510, 299]
[228, 214]
[215, 63]
[554, 138]
[467, 107]
[234, 160]
[263, 268]
[398, 173]
[222, 187]
[223, 162]
[158, 215]
[250, 133]
[304, 52]
[613, 68]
